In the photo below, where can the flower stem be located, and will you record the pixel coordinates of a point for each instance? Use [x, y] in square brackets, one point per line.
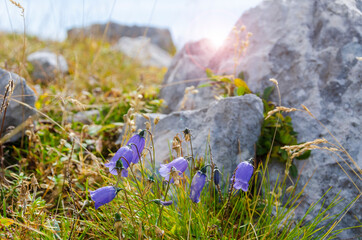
[192, 155]
[139, 157]
[159, 219]
[129, 208]
[153, 151]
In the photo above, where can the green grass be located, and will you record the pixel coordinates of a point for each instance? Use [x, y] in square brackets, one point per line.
[66, 159]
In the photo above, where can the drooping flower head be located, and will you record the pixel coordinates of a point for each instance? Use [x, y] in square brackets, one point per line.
[137, 142]
[121, 155]
[216, 176]
[197, 184]
[243, 174]
[180, 164]
[103, 195]
[163, 203]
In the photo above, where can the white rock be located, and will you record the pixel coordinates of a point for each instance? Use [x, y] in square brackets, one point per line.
[47, 65]
[142, 50]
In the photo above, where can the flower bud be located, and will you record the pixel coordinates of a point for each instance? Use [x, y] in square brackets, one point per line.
[216, 176]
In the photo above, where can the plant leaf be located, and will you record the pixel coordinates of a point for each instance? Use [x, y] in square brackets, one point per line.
[305, 155]
[293, 171]
[209, 73]
[267, 92]
[6, 222]
[240, 91]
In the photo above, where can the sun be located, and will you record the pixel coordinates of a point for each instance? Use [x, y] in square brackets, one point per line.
[217, 38]
[212, 24]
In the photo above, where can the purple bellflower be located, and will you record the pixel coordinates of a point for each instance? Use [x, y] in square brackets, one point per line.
[103, 195]
[197, 184]
[137, 142]
[163, 203]
[242, 175]
[124, 152]
[180, 164]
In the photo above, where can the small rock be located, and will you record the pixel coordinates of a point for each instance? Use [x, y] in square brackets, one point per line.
[142, 50]
[84, 117]
[16, 113]
[47, 65]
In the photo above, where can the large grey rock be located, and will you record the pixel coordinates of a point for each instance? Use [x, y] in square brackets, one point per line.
[16, 113]
[47, 65]
[310, 47]
[142, 50]
[229, 122]
[160, 37]
[188, 69]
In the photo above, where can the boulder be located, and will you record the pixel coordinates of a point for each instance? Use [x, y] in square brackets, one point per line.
[233, 125]
[16, 113]
[142, 50]
[310, 47]
[47, 65]
[159, 36]
[188, 69]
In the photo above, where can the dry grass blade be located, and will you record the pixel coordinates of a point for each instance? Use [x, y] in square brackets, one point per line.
[18, 5]
[279, 109]
[335, 139]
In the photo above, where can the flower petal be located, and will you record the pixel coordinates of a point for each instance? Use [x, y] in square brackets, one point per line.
[137, 142]
[103, 195]
[198, 183]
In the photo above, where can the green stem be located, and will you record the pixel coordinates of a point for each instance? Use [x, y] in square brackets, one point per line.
[159, 219]
[192, 155]
[138, 186]
[153, 151]
[139, 157]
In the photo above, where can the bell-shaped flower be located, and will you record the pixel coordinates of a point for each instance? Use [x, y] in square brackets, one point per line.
[137, 143]
[197, 184]
[103, 195]
[163, 203]
[121, 155]
[242, 175]
[180, 164]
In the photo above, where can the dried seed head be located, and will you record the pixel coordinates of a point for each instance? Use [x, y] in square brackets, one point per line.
[118, 225]
[62, 142]
[274, 81]
[148, 126]
[187, 134]
[133, 128]
[28, 133]
[174, 173]
[34, 182]
[290, 189]
[278, 109]
[157, 119]
[177, 145]
[85, 128]
[146, 116]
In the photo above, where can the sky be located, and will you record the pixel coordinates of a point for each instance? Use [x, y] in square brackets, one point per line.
[186, 19]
